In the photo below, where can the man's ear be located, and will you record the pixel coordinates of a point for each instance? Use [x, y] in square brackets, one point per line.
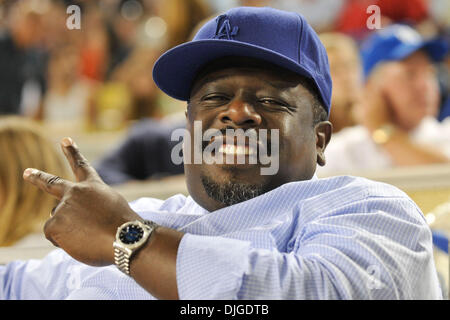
[323, 131]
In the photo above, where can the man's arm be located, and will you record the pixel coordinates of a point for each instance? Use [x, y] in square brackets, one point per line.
[154, 266]
[85, 222]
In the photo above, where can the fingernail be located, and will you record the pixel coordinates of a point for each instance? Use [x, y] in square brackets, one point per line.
[67, 142]
[28, 172]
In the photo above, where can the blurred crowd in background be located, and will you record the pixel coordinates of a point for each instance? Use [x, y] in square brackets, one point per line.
[99, 79]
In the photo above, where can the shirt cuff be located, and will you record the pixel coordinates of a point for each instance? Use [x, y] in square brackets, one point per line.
[211, 267]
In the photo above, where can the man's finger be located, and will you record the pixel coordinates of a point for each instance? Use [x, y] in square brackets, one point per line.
[49, 183]
[79, 164]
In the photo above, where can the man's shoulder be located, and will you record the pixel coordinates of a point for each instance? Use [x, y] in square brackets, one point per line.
[353, 186]
[341, 196]
[370, 188]
[347, 191]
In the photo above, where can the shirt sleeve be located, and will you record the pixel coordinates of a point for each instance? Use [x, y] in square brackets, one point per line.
[49, 278]
[382, 252]
[58, 277]
[211, 267]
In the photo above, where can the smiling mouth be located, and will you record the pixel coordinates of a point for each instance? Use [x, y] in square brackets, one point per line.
[233, 149]
[235, 152]
[233, 145]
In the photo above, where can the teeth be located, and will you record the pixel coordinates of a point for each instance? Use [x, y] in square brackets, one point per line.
[237, 150]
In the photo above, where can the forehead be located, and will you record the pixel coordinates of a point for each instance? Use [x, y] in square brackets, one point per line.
[417, 58]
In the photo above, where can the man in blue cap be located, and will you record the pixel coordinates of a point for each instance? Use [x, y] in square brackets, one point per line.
[399, 123]
[240, 234]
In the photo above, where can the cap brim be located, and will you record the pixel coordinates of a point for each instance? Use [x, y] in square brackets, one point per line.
[176, 69]
[436, 50]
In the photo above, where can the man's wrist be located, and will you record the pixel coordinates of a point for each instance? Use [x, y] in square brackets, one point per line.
[130, 238]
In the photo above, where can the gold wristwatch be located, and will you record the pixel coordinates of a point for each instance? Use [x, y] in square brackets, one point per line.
[130, 237]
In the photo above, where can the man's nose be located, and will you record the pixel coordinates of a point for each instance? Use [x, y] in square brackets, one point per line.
[241, 114]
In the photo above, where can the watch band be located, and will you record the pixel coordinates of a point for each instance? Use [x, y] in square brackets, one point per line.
[122, 259]
[123, 255]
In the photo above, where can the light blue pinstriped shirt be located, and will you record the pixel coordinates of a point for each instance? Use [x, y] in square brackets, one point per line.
[335, 238]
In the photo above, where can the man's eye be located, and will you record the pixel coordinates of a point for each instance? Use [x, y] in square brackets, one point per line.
[272, 102]
[215, 97]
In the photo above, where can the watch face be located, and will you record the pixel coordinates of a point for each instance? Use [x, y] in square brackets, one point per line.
[131, 234]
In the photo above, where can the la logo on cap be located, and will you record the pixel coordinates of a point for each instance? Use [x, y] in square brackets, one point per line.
[224, 30]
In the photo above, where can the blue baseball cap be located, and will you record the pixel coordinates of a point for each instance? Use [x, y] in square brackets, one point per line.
[282, 38]
[397, 42]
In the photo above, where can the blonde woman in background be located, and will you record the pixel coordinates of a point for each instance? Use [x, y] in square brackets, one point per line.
[346, 73]
[23, 208]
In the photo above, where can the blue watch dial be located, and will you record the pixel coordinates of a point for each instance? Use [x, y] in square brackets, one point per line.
[131, 234]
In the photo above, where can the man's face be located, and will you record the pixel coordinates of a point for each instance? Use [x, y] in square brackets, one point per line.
[27, 27]
[257, 98]
[413, 90]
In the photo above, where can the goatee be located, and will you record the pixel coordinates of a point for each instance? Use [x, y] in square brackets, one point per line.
[231, 192]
